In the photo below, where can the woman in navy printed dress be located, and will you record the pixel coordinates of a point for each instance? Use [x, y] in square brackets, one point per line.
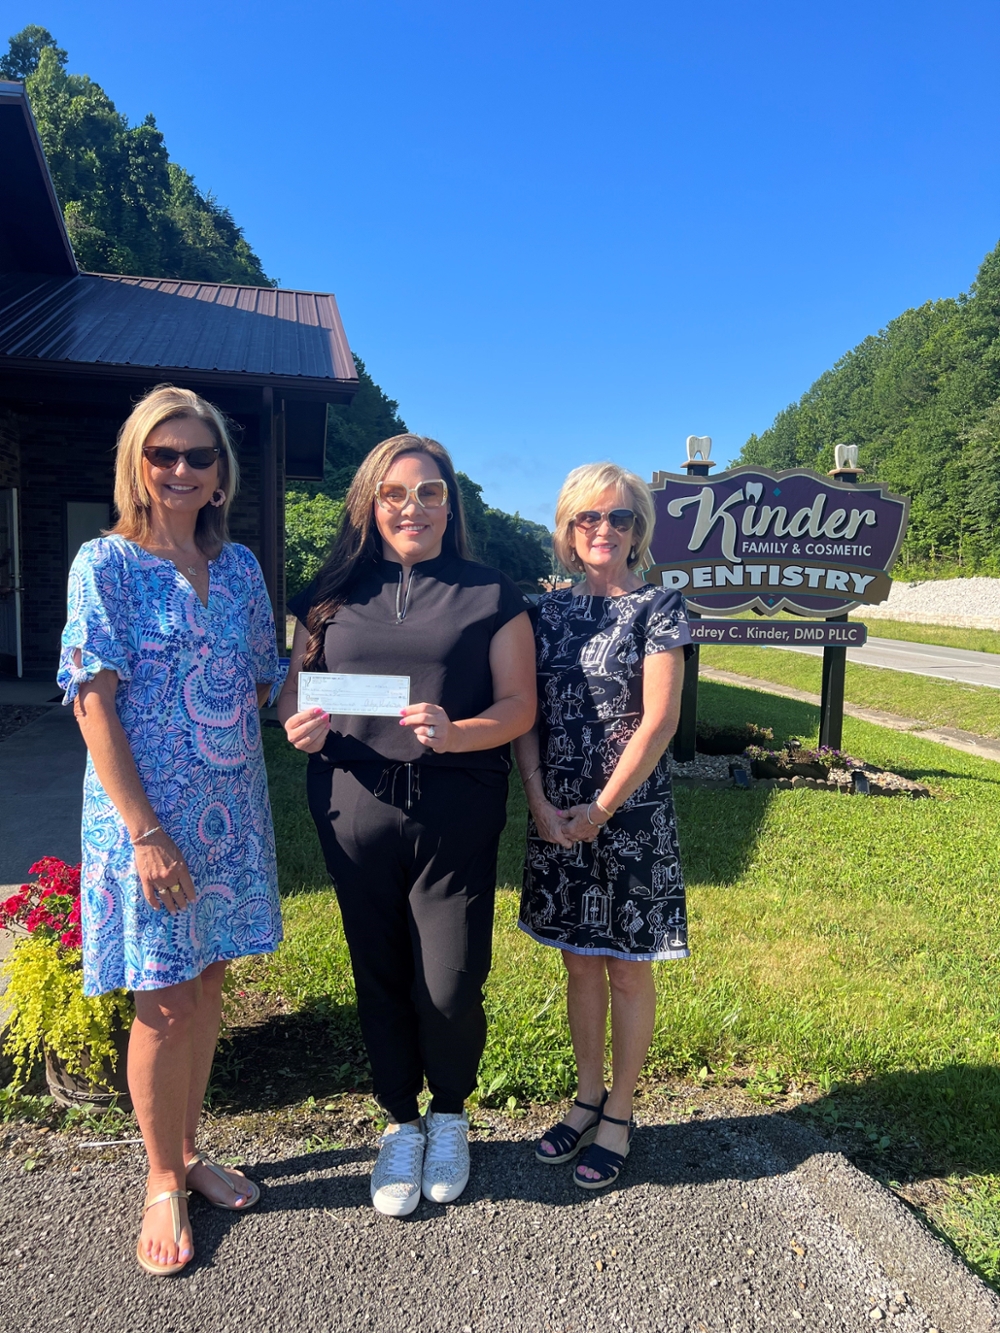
[168, 651]
[602, 877]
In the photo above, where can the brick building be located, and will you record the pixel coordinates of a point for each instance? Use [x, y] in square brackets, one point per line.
[78, 349]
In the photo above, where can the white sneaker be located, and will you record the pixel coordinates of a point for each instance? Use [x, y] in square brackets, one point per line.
[446, 1161]
[396, 1177]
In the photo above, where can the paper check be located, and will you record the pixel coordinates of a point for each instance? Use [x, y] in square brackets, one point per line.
[353, 695]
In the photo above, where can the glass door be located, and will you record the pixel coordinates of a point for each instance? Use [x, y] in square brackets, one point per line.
[11, 661]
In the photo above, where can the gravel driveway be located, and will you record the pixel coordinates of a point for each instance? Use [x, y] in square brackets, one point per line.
[973, 603]
[734, 1224]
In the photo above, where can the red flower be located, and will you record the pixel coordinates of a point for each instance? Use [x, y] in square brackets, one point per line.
[51, 906]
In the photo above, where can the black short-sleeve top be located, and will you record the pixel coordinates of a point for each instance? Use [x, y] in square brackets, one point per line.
[439, 635]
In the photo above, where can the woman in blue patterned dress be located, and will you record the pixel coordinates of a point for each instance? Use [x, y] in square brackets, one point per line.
[602, 876]
[168, 652]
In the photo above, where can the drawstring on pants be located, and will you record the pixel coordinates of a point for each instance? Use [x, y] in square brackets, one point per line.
[411, 783]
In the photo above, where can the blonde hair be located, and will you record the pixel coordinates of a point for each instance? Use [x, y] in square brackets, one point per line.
[168, 403]
[579, 492]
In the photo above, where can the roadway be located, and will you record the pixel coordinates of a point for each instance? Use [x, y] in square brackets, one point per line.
[921, 659]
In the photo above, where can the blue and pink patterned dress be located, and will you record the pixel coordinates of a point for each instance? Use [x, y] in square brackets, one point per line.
[188, 704]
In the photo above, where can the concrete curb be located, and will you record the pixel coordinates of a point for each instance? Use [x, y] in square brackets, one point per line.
[984, 747]
[910, 1254]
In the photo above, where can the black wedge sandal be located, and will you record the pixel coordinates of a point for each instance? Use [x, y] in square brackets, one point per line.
[568, 1141]
[606, 1163]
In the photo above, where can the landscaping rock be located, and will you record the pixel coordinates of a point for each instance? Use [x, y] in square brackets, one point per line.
[783, 773]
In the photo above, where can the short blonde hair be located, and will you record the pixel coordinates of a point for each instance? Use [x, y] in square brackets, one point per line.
[168, 403]
[580, 490]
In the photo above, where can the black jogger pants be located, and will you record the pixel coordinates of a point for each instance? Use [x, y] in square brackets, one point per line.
[412, 851]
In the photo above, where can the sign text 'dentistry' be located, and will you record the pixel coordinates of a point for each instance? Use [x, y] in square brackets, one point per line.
[775, 540]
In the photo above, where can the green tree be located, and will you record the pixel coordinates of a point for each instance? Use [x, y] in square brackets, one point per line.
[25, 50]
[922, 398]
[128, 208]
[505, 541]
[311, 523]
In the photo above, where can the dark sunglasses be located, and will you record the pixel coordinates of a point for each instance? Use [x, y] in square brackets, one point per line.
[622, 520]
[166, 459]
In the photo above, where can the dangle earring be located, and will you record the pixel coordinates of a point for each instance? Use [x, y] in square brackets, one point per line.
[218, 498]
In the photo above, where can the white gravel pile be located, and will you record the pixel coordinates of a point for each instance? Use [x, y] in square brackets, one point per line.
[969, 603]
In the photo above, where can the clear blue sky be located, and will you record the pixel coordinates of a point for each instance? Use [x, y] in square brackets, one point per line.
[568, 231]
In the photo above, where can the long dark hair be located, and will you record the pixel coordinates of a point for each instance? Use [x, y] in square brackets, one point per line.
[358, 542]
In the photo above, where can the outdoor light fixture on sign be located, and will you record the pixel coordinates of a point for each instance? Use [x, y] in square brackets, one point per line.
[774, 541]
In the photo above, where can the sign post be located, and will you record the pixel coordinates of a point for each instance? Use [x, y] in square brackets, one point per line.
[696, 464]
[831, 708]
[754, 539]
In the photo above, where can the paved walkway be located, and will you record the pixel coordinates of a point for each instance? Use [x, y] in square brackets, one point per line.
[736, 1224]
[41, 792]
[921, 659]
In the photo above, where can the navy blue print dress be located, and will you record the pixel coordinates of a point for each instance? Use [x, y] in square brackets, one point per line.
[622, 894]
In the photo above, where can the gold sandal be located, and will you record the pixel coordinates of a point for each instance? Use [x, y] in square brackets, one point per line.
[165, 1270]
[251, 1193]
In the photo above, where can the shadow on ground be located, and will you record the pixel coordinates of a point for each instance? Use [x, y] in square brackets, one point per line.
[938, 1122]
[724, 1149]
[286, 1058]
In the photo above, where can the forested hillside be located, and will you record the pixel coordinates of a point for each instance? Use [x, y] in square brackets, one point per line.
[130, 209]
[922, 399]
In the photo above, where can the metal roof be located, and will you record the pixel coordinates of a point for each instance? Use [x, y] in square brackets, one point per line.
[103, 320]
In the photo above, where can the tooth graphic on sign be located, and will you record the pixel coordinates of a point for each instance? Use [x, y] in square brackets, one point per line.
[699, 446]
[845, 455]
[754, 490]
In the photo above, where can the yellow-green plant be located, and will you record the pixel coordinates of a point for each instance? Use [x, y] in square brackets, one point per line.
[44, 993]
[49, 1011]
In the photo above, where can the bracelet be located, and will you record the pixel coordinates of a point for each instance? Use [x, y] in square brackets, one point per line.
[594, 821]
[149, 832]
[526, 780]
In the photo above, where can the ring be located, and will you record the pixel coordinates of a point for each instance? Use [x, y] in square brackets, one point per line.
[173, 888]
[431, 731]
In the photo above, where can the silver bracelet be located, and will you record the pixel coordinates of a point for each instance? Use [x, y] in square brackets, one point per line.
[603, 810]
[531, 774]
[149, 832]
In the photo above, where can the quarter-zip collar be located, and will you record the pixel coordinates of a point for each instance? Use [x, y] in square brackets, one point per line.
[393, 570]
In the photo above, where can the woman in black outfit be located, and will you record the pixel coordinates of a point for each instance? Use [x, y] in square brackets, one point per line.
[409, 811]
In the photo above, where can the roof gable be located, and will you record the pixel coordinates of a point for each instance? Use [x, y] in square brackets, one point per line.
[33, 236]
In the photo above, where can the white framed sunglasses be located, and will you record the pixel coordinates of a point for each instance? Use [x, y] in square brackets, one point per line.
[432, 494]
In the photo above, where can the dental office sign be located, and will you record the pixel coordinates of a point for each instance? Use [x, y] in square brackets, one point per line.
[775, 541]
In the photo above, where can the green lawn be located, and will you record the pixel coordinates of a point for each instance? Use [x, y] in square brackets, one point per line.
[947, 636]
[844, 943]
[945, 703]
